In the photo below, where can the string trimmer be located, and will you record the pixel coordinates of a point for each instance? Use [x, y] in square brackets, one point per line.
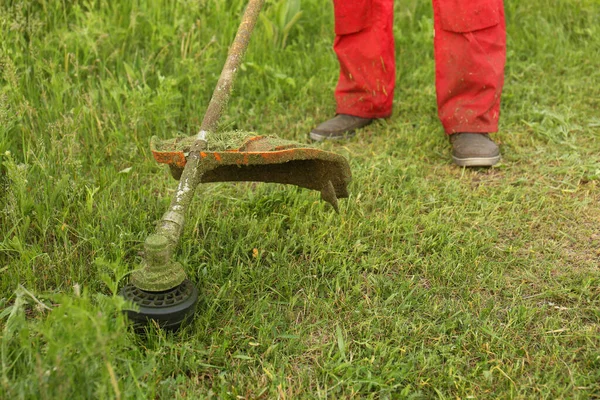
[160, 288]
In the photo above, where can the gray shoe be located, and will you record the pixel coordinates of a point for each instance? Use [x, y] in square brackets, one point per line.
[342, 126]
[474, 150]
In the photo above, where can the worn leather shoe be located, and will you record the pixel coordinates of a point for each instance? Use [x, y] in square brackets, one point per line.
[474, 150]
[342, 126]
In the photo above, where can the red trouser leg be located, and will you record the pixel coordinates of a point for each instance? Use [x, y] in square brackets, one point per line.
[470, 53]
[364, 45]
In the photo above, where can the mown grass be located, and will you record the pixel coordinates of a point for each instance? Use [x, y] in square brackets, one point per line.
[433, 281]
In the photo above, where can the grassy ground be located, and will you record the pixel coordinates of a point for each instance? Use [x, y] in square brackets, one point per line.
[432, 282]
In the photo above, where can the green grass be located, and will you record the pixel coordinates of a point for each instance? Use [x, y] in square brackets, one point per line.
[432, 282]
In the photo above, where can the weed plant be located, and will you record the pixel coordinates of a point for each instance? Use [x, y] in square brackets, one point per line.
[432, 282]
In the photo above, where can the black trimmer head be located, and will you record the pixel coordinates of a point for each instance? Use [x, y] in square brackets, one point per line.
[170, 309]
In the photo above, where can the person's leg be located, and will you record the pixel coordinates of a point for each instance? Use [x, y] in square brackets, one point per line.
[366, 56]
[470, 53]
[364, 45]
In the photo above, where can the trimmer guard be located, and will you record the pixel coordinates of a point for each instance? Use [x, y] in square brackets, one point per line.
[238, 157]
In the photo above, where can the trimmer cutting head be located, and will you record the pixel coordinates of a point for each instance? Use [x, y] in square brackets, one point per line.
[242, 156]
[169, 309]
[160, 289]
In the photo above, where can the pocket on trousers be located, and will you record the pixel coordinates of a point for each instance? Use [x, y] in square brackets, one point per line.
[469, 15]
[351, 16]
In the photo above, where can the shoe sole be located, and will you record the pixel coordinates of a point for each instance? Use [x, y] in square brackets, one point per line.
[318, 137]
[476, 161]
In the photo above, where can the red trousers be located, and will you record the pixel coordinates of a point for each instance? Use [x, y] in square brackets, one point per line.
[470, 53]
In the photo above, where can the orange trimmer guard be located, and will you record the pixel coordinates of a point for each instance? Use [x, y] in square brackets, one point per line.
[238, 157]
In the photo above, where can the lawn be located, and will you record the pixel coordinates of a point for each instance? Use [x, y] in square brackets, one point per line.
[432, 282]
